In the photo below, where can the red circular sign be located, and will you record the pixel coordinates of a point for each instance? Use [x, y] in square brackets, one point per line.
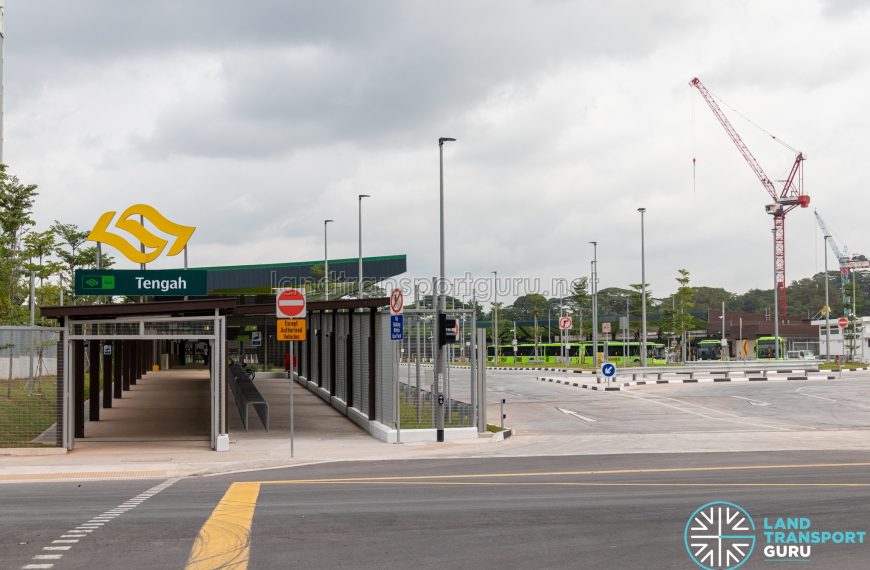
[397, 301]
[843, 322]
[565, 323]
[290, 303]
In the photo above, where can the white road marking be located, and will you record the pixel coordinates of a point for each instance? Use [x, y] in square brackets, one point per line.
[817, 397]
[73, 536]
[688, 411]
[753, 402]
[576, 415]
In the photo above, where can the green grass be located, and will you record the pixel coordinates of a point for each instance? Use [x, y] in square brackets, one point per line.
[834, 366]
[408, 411]
[493, 429]
[22, 416]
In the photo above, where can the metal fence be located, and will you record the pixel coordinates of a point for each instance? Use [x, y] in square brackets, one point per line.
[28, 386]
[417, 376]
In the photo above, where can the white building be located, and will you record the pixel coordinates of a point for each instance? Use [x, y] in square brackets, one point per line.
[839, 343]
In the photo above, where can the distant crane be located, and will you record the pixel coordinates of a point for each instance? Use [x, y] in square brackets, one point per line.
[841, 254]
[848, 263]
[784, 200]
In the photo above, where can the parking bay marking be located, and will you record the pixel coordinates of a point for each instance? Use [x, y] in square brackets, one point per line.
[753, 402]
[575, 414]
[693, 412]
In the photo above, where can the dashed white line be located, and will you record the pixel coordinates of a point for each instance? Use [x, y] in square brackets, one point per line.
[73, 536]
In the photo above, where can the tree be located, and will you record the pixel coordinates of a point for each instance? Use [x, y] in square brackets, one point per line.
[578, 300]
[69, 248]
[16, 210]
[685, 298]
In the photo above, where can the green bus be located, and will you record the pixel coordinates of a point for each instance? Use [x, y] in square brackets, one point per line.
[765, 347]
[618, 352]
[708, 349]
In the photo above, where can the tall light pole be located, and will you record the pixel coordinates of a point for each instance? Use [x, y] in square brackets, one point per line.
[642, 290]
[441, 368]
[827, 308]
[775, 301]
[360, 292]
[325, 263]
[594, 305]
[495, 319]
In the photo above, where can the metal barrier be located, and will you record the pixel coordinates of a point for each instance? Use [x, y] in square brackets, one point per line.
[246, 395]
[727, 368]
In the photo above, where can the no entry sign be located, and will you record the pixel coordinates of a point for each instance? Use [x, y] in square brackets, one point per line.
[290, 304]
[565, 323]
[843, 322]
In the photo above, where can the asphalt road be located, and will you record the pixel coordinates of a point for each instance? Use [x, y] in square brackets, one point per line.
[612, 511]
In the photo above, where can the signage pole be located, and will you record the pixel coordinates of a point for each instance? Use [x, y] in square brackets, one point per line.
[292, 382]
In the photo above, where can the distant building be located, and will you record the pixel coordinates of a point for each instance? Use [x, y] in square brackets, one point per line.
[840, 343]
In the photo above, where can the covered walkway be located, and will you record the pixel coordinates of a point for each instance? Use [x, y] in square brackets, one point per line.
[169, 405]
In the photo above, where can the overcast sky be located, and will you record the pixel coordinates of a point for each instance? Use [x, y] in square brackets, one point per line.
[256, 120]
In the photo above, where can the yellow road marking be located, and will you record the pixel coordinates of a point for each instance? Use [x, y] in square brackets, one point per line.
[566, 473]
[579, 484]
[224, 541]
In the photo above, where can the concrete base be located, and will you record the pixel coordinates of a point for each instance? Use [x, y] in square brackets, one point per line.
[223, 443]
[389, 435]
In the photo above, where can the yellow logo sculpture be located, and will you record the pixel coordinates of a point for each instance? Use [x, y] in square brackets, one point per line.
[131, 225]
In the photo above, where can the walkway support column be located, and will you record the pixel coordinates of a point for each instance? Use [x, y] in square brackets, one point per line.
[107, 375]
[79, 383]
[118, 380]
[373, 315]
[94, 383]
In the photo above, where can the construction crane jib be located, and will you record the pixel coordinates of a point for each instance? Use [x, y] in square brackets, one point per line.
[784, 199]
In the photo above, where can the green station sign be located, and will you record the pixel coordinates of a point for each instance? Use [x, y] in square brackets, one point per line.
[152, 282]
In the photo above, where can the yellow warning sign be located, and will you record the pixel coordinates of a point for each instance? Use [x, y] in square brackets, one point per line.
[291, 329]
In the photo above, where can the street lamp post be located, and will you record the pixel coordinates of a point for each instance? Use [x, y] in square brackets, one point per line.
[827, 308]
[360, 292]
[441, 368]
[642, 290]
[495, 319]
[325, 263]
[595, 306]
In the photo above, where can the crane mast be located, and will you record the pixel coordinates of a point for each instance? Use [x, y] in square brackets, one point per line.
[789, 197]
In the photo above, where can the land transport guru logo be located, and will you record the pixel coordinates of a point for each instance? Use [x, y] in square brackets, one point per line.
[719, 535]
[722, 536]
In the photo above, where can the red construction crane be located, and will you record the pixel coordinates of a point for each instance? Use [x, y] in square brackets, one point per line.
[784, 200]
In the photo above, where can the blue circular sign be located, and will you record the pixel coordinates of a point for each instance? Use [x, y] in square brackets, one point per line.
[608, 369]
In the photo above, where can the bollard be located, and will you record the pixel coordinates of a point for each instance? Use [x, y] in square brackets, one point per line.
[503, 402]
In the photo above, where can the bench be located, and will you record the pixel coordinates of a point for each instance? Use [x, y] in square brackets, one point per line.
[246, 395]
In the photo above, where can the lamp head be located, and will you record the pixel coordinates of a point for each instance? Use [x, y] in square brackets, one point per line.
[443, 140]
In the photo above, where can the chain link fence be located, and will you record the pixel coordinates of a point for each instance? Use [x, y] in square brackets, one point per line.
[28, 386]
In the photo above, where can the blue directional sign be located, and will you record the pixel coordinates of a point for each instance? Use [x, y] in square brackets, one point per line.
[397, 327]
[608, 369]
